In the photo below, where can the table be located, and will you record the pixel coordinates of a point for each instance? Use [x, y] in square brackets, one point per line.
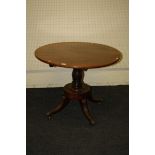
[80, 56]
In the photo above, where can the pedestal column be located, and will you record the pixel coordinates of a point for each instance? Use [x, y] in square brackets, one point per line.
[77, 76]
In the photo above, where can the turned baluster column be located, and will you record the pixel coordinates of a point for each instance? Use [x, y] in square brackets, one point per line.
[77, 76]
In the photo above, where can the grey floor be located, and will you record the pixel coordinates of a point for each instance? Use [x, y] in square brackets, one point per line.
[69, 133]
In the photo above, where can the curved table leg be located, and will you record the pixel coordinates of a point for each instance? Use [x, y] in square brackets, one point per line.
[60, 106]
[86, 112]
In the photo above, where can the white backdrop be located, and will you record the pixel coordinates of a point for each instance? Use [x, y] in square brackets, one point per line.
[100, 21]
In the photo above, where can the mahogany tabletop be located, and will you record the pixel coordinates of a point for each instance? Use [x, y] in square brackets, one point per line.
[80, 55]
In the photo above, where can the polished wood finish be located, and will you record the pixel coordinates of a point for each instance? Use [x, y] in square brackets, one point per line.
[77, 76]
[80, 56]
[77, 90]
[61, 105]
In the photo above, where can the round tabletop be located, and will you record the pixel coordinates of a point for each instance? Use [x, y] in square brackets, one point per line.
[78, 55]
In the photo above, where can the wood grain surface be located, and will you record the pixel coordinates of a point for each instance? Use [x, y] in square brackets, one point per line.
[80, 55]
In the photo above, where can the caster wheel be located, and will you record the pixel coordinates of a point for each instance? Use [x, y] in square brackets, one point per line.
[50, 117]
[92, 122]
